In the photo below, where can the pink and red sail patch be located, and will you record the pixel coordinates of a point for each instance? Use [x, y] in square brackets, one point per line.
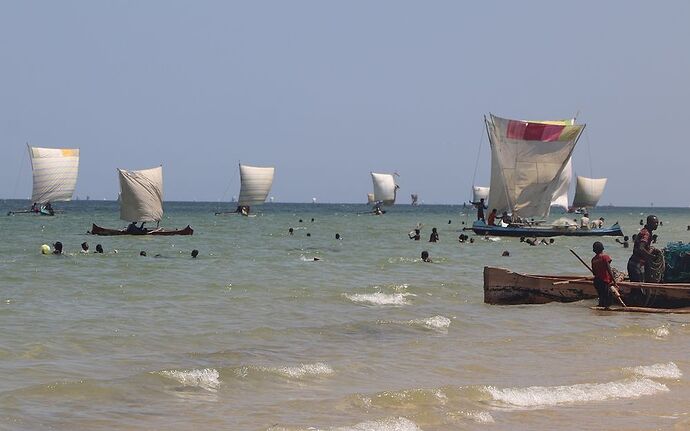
[527, 131]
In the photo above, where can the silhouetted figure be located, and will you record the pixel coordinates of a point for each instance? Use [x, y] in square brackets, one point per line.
[99, 248]
[434, 235]
[481, 206]
[57, 248]
[195, 253]
[142, 253]
[425, 256]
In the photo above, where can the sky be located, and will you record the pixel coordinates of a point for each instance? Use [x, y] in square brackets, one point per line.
[329, 91]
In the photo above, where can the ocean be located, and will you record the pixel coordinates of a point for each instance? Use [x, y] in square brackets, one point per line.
[255, 334]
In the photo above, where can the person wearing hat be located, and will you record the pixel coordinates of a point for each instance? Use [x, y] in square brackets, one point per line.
[57, 248]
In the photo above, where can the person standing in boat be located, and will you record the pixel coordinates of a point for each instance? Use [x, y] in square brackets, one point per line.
[642, 250]
[604, 280]
[584, 221]
[481, 206]
[491, 220]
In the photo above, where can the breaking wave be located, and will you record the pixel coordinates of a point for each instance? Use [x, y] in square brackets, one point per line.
[296, 372]
[379, 298]
[543, 396]
[207, 378]
[658, 371]
[387, 424]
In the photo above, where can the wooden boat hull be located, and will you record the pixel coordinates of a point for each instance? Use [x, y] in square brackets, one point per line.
[481, 228]
[502, 286]
[97, 230]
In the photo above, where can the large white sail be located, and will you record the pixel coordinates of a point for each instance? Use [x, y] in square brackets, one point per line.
[527, 159]
[384, 188]
[479, 193]
[371, 199]
[54, 173]
[588, 191]
[560, 197]
[256, 184]
[141, 195]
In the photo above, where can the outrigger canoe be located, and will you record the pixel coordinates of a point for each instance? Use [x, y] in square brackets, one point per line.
[481, 228]
[502, 286]
[97, 230]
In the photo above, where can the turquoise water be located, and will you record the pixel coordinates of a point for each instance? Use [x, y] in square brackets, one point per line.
[256, 335]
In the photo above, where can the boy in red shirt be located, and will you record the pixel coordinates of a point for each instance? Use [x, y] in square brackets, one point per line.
[604, 280]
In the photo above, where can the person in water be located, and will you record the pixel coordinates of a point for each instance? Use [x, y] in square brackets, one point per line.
[99, 248]
[291, 231]
[57, 248]
[425, 256]
[337, 236]
[84, 247]
[415, 235]
[642, 250]
[142, 253]
[195, 253]
[604, 280]
[624, 242]
[434, 235]
[481, 206]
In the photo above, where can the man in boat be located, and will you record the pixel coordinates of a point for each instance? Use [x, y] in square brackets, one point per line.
[491, 220]
[604, 280]
[584, 221]
[481, 206]
[134, 229]
[505, 218]
[642, 250]
[35, 209]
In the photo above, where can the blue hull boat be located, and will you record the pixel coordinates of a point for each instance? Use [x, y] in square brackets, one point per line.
[481, 228]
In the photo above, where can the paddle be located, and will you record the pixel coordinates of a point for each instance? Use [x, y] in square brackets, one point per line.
[613, 289]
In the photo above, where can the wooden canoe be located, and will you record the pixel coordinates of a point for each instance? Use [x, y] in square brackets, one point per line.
[502, 286]
[97, 230]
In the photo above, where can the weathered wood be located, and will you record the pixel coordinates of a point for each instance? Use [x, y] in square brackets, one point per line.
[502, 286]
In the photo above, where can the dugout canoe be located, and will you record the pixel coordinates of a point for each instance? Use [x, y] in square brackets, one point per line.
[97, 230]
[502, 286]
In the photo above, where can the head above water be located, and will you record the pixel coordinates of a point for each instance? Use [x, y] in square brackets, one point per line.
[99, 248]
[142, 253]
[597, 247]
[195, 253]
[425, 255]
[58, 246]
[84, 246]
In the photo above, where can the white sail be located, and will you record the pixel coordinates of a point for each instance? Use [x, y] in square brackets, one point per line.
[588, 191]
[384, 188]
[141, 194]
[479, 193]
[256, 184]
[527, 159]
[54, 173]
[370, 198]
[560, 197]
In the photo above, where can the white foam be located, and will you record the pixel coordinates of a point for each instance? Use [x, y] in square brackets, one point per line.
[542, 396]
[658, 371]
[387, 424]
[379, 298]
[661, 331]
[303, 370]
[207, 378]
[437, 323]
[478, 417]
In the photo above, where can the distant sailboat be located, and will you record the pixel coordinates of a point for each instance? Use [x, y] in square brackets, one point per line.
[588, 192]
[385, 190]
[55, 172]
[415, 199]
[255, 185]
[141, 200]
[479, 193]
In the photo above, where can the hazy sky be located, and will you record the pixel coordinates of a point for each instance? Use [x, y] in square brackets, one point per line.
[328, 91]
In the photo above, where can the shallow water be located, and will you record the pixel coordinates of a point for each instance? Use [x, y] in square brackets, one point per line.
[256, 335]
